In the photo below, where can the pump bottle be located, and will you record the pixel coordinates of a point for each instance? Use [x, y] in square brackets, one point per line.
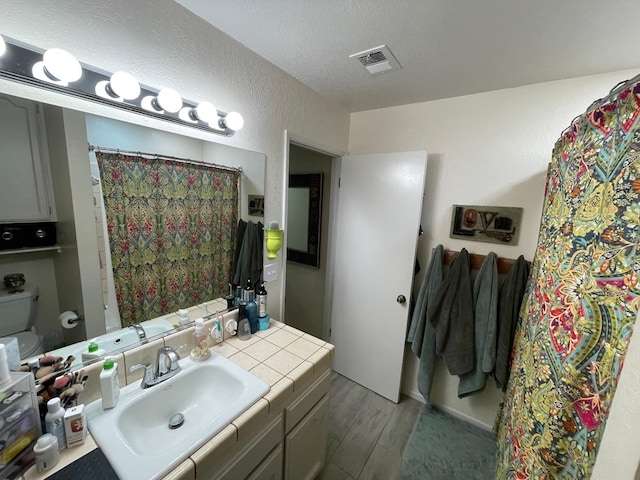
[201, 350]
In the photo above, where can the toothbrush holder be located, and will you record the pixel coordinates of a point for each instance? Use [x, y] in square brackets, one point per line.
[274, 242]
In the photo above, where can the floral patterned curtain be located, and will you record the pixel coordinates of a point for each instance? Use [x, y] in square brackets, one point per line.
[171, 230]
[580, 308]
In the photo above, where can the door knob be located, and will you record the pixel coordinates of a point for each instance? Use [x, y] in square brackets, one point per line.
[401, 299]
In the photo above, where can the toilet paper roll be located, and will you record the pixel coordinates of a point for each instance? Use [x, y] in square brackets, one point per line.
[68, 319]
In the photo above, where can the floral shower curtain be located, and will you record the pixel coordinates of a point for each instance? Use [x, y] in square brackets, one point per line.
[171, 229]
[581, 304]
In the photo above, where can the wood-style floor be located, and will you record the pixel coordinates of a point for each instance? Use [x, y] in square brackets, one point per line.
[367, 433]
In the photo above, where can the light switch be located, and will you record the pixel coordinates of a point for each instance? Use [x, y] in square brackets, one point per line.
[270, 272]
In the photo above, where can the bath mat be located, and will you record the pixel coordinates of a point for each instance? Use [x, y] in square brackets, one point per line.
[443, 447]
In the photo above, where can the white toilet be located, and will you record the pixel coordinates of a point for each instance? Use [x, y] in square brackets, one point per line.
[17, 316]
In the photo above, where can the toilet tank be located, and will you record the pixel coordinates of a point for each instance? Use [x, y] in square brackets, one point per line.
[18, 310]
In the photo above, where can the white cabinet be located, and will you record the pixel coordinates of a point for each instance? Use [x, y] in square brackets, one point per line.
[26, 194]
[270, 468]
[306, 445]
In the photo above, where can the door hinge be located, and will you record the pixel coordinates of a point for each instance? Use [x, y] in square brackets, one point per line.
[329, 333]
[339, 178]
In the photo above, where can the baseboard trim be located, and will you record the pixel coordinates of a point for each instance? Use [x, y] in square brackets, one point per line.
[416, 395]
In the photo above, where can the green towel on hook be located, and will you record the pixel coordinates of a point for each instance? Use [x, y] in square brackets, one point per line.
[421, 333]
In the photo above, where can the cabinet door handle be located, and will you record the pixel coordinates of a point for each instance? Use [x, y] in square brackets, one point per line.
[401, 299]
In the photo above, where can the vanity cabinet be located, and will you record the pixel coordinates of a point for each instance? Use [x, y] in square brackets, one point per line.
[305, 445]
[290, 446]
[270, 468]
[27, 193]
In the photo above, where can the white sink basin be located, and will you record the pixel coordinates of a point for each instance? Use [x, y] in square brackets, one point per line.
[135, 435]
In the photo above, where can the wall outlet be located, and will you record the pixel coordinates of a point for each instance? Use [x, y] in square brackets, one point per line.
[270, 272]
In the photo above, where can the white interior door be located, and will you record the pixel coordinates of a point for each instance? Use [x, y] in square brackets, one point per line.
[378, 217]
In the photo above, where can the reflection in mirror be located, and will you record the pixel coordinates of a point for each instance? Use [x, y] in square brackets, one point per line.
[77, 275]
[304, 218]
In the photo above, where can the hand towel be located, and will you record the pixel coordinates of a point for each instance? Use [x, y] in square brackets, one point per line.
[421, 333]
[451, 314]
[485, 301]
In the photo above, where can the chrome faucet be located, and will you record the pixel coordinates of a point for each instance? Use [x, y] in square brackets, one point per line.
[142, 335]
[167, 365]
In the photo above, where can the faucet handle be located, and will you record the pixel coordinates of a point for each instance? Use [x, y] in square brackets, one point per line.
[148, 377]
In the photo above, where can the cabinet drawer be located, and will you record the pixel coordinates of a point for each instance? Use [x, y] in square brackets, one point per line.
[305, 446]
[270, 468]
[247, 458]
[299, 408]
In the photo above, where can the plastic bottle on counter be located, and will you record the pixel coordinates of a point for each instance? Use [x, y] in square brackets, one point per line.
[109, 384]
[93, 352]
[184, 320]
[54, 421]
[251, 308]
[261, 300]
[46, 452]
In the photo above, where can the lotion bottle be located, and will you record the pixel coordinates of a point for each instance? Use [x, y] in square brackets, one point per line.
[92, 352]
[54, 421]
[109, 384]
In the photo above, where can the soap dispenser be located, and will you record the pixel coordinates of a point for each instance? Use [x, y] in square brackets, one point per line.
[201, 351]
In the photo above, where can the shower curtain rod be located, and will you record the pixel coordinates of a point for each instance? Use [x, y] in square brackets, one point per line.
[613, 93]
[620, 87]
[95, 148]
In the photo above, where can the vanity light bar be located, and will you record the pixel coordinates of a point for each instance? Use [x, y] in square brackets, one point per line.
[25, 64]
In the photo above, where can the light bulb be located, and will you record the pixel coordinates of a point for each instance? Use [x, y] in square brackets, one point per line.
[234, 121]
[186, 115]
[61, 65]
[206, 112]
[124, 85]
[3, 46]
[169, 100]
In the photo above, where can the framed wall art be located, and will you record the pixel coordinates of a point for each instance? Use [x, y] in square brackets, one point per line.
[486, 224]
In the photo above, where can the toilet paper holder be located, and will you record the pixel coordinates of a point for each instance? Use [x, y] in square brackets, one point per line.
[70, 318]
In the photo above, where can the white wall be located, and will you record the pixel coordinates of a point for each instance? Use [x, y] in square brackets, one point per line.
[163, 44]
[486, 149]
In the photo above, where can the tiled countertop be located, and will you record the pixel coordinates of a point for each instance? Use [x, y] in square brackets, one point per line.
[287, 359]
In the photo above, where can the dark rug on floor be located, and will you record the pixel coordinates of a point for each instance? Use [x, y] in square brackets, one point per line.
[443, 447]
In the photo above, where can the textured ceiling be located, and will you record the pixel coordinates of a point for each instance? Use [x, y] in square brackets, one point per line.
[447, 48]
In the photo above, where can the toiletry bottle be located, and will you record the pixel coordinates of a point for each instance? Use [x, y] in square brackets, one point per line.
[244, 328]
[201, 350]
[92, 352]
[251, 309]
[230, 298]
[183, 313]
[109, 383]
[5, 376]
[54, 421]
[46, 452]
[238, 298]
[261, 300]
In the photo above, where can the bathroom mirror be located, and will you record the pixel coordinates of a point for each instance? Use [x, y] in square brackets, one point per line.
[70, 277]
[304, 218]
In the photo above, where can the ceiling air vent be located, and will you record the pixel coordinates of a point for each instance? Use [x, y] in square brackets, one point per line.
[377, 60]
